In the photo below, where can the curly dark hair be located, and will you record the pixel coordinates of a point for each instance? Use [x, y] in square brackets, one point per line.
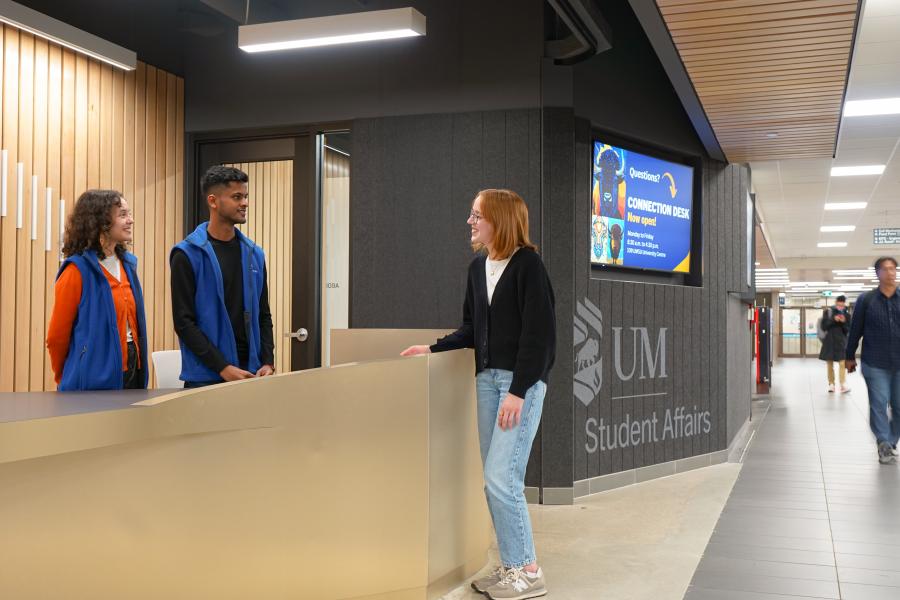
[221, 175]
[91, 217]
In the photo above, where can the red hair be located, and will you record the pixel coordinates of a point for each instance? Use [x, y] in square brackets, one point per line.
[507, 212]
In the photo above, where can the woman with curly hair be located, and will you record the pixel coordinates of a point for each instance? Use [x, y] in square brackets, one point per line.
[97, 333]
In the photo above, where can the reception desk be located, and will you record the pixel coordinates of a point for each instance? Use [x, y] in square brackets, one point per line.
[362, 480]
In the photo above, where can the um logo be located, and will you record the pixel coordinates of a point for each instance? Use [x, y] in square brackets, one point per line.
[588, 362]
[647, 361]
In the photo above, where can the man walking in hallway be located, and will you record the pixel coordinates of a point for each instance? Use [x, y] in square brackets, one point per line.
[877, 321]
[836, 324]
[220, 297]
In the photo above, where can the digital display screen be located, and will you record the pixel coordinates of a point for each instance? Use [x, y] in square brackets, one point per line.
[641, 210]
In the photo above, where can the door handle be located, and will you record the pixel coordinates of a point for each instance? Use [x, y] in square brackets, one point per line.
[300, 335]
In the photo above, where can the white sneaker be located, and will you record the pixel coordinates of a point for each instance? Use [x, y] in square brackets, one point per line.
[830, 387]
[844, 389]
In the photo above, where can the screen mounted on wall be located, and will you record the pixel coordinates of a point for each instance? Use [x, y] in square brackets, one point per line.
[641, 210]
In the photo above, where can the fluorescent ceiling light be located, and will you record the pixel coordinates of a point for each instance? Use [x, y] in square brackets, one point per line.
[48, 28]
[866, 108]
[328, 31]
[860, 170]
[756, 264]
[832, 244]
[774, 270]
[835, 228]
[845, 205]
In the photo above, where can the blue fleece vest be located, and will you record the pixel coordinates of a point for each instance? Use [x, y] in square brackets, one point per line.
[94, 361]
[209, 303]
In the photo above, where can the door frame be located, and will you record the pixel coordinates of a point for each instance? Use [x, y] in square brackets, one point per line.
[306, 309]
[803, 310]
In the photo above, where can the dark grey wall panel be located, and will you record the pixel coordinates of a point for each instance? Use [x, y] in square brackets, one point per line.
[558, 219]
[739, 367]
[413, 183]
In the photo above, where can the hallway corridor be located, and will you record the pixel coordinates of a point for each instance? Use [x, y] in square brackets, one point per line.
[813, 514]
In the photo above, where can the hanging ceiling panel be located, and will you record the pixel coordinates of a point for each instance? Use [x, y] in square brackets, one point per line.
[770, 74]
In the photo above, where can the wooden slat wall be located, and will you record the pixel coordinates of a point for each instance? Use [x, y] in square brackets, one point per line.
[269, 226]
[763, 67]
[75, 123]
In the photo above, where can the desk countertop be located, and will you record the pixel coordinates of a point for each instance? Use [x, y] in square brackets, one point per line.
[25, 406]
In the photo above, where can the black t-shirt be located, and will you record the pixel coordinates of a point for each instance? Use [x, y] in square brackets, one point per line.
[184, 288]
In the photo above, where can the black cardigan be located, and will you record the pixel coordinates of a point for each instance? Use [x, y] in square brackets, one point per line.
[517, 331]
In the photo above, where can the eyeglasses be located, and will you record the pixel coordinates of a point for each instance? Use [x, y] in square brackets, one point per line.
[474, 216]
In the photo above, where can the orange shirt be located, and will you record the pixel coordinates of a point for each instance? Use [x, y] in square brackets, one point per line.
[65, 309]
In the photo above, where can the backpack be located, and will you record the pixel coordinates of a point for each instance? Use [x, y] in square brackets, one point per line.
[820, 331]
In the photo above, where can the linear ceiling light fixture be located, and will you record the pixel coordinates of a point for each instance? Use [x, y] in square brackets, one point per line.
[845, 205]
[836, 228]
[39, 24]
[866, 108]
[832, 244]
[861, 170]
[328, 31]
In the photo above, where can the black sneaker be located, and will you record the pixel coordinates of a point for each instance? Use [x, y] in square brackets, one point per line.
[885, 453]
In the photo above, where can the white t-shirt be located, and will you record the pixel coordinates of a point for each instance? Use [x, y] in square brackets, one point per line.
[493, 269]
[112, 264]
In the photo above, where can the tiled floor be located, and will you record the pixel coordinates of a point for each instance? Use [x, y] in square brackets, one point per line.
[813, 514]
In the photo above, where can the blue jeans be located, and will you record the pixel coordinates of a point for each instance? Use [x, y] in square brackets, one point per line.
[884, 391]
[504, 455]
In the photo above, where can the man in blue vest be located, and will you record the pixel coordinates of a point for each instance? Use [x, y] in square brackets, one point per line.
[220, 296]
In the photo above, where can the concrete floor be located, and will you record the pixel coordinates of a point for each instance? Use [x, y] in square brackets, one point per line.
[639, 542]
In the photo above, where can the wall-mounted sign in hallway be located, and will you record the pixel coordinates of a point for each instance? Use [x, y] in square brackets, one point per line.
[637, 353]
[886, 236]
[640, 211]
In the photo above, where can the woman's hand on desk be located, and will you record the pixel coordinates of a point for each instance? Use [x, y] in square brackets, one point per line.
[265, 370]
[416, 350]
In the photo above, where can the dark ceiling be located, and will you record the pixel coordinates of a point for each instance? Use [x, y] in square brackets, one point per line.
[157, 30]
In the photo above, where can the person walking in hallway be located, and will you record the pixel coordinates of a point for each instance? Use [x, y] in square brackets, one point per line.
[220, 296]
[97, 332]
[877, 322]
[509, 319]
[836, 324]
